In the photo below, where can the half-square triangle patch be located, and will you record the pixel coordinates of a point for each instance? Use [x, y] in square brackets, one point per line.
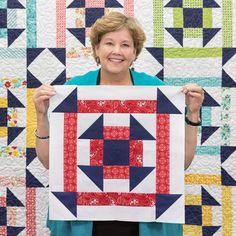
[164, 105]
[69, 104]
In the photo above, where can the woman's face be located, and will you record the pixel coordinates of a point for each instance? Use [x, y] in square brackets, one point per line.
[116, 51]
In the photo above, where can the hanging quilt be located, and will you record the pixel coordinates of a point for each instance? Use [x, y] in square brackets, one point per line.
[117, 153]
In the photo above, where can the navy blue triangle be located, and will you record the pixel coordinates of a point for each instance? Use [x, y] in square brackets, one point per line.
[208, 34]
[175, 3]
[177, 34]
[157, 53]
[69, 104]
[77, 4]
[14, 4]
[207, 199]
[31, 181]
[13, 132]
[13, 101]
[164, 105]
[95, 173]
[207, 131]
[226, 178]
[13, 34]
[209, 101]
[32, 81]
[32, 53]
[160, 74]
[164, 201]
[69, 200]
[137, 175]
[112, 3]
[225, 152]
[210, 4]
[209, 230]
[137, 131]
[227, 54]
[30, 155]
[12, 200]
[79, 34]
[59, 53]
[61, 79]
[227, 81]
[95, 131]
[14, 231]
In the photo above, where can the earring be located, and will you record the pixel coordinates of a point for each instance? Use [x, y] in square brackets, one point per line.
[132, 65]
[97, 61]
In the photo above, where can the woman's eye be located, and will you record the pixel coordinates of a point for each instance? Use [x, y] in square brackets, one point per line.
[126, 45]
[108, 43]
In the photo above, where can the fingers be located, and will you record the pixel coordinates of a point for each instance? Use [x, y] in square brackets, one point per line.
[192, 88]
[44, 92]
[194, 91]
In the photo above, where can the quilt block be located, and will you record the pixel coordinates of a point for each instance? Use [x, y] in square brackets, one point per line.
[117, 153]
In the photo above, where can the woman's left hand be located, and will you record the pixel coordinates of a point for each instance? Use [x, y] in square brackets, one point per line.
[194, 95]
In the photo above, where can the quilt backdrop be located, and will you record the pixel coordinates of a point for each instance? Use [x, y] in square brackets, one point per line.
[187, 41]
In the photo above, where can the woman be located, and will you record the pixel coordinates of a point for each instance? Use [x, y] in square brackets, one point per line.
[117, 41]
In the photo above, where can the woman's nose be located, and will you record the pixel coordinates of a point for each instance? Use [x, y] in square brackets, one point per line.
[117, 49]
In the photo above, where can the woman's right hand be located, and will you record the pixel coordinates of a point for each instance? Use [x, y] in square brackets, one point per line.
[41, 98]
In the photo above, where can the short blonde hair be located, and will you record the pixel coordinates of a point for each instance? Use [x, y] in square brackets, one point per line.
[115, 21]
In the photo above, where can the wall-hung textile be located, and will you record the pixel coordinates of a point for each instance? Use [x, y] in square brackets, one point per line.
[108, 147]
[188, 41]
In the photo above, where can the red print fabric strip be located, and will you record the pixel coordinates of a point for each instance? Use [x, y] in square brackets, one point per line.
[117, 106]
[162, 153]
[116, 172]
[136, 152]
[118, 199]
[116, 132]
[70, 151]
[96, 152]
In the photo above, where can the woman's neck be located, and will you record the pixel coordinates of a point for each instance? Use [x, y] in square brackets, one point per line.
[115, 79]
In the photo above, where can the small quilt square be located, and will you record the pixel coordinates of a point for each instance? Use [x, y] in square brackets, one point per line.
[192, 17]
[121, 163]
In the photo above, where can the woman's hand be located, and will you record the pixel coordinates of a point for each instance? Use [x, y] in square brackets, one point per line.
[194, 95]
[41, 98]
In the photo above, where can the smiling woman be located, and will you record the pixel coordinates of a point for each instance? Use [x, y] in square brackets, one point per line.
[116, 53]
[117, 40]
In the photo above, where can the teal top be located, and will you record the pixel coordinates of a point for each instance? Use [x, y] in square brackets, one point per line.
[84, 228]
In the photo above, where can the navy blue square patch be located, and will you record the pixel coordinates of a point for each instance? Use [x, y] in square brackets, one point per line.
[3, 18]
[116, 152]
[193, 18]
[92, 14]
[193, 215]
[3, 117]
[3, 214]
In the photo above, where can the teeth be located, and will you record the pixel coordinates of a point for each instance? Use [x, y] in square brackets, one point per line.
[116, 60]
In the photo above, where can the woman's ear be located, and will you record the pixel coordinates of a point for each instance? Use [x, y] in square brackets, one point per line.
[96, 49]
